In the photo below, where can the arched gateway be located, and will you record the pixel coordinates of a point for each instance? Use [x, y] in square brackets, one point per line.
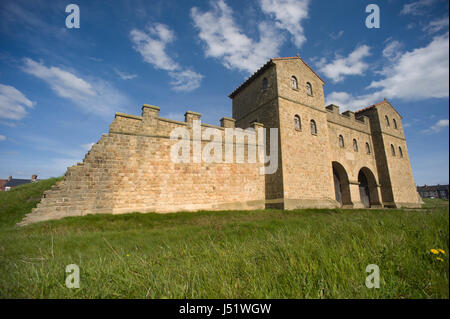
[368, 188]
[341, 184]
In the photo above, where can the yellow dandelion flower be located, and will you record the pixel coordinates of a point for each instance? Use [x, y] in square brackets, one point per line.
[434, 251]
[440, 259]
[441, 251]
[128, 255]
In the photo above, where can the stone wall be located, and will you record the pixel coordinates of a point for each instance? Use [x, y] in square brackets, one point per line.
[130, 170]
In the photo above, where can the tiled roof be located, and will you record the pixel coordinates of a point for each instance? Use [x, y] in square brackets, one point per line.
[370, 107]
[375, 105]
[263, 68]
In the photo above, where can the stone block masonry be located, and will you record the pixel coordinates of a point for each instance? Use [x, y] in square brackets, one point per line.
[130, 170]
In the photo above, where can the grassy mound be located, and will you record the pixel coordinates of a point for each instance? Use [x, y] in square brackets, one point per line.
[252, 254]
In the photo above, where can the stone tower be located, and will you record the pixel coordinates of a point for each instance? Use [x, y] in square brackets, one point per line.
[284, 89]
[392, 157]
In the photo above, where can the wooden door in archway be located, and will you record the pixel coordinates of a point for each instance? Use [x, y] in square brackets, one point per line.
[337, 187]
[364, 191]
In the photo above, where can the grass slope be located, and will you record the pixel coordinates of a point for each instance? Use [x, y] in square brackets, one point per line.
[256, 254]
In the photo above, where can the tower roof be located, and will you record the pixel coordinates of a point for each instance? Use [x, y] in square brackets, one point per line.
[377, 104]
[265, 67]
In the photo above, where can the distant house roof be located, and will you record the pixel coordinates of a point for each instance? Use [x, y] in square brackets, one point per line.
[16, 182]
[432, 188]
[2, 183]
[265, 67]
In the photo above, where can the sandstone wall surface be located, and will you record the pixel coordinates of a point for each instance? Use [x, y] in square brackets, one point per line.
[130, 170]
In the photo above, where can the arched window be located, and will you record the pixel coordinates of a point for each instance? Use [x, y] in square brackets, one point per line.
[395, 123]
[309, 90]
[294, 83]
[313, 127]
[368, 148]
[392, 150]
[341, 141]
[265, 84]
[297, 123]
[355, 145]
[387, 121]
[400, 152]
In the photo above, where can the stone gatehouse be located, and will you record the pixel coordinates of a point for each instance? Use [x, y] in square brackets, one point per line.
[325, 158]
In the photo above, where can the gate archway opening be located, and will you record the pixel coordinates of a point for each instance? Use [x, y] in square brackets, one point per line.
[341, 185]
[368, 188]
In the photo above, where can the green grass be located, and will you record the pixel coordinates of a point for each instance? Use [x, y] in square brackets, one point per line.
[256, 254]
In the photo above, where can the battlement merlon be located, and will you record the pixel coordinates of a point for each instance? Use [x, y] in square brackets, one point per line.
[348, 119]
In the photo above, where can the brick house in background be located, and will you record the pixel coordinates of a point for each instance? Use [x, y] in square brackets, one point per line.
[2, 184]
[14, 182]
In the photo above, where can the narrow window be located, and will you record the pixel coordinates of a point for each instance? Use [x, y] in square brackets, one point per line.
[297, 123]
[355, 145]
[400, 152]
[387, 121]
[264, 84]
[341, 141]
[368, 148]
[294, 83]
[395, 123]
[313, 127]
[309, 90]
[392, 150]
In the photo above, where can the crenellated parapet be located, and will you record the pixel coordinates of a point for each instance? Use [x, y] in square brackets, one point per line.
[150, 123]
[348, 119]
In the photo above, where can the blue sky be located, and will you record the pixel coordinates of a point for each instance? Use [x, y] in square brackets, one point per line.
[60, 87]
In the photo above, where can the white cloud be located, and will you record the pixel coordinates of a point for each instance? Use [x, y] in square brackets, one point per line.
[125, 76]
[152, 47]
[2, 137]
[337, 35]
[97, 96]
[416, 75]
[353, 64]
[416, 7]
[13, 103]
[95, 59]
[288, 15]
[436, 128]
[436, 25]
[392, 51]
[225, 41]
[185, 80]
[87, 147]
[410, 26]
